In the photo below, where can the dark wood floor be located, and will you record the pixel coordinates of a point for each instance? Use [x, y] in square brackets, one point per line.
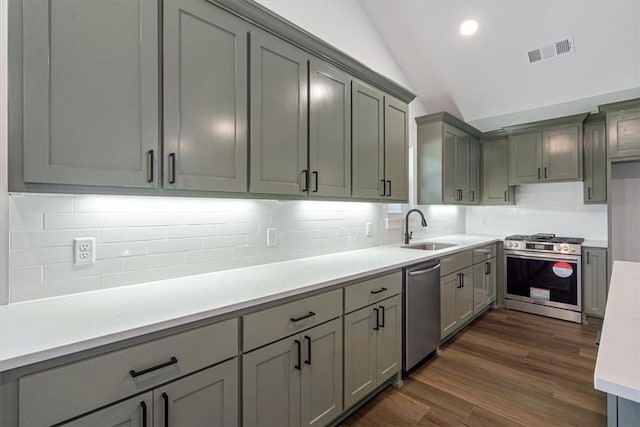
[506, 369]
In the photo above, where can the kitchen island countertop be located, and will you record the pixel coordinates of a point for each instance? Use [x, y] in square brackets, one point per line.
[618, 364]
[40, 330]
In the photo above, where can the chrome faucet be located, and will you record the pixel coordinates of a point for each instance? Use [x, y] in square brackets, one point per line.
[407, 234]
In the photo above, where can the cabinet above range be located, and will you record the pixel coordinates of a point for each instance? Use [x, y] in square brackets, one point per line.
[249, 104]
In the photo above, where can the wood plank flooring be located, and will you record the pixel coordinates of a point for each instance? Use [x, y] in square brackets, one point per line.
[505, 369]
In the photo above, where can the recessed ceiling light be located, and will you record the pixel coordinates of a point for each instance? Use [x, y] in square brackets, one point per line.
[469, 27]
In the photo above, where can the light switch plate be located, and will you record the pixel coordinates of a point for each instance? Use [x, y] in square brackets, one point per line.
[367, 229]
[272, 237]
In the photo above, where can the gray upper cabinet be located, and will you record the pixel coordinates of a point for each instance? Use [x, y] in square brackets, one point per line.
[90, 92]
[525, 153]
[495, 173]
[205, 98]
[562, 154]
[624, 133]
[595, 163]
[473, 189]
[329, 131]
[278, 136]
[396, 149]
[594, 281]
[367, 142]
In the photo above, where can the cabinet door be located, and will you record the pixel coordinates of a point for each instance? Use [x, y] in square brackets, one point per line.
[205, 98]
[91, 92]
[479, 288]
[624, 134]
[525, 158]
[367, 110]
[396, 149]
[359, 355]
[207, 398]
[473, 193]
[462, 168]
[595, 164]
[329, 131]
[594, 280]
[495, 173]
[134, 412]
[450, 191]
[448, 318]
[562, 154]
[389, 339]
[271, 384]
[464, 296]
[278, 116]
[321, 395]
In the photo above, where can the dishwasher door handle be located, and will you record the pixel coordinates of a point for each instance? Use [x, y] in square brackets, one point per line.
[428, 270]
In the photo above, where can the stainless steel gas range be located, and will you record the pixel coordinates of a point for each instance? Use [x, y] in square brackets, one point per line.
[543, 275]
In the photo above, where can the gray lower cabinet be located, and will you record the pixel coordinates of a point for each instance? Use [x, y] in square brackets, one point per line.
[134, 412]
[205, 98]
[278, 111]
[622, 412]
[90, 92]
[623, 129]
[295, 381]
[367, 115]
[456, 292]
[550, 155]
[373, 348]
[396, 149]
[329, 131]
[595, 163]
[495, 173]
[484, 285]
[594, 281]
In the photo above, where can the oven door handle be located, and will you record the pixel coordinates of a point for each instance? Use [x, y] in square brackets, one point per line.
[543, 256]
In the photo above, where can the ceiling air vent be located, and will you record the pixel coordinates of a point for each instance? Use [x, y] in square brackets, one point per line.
[551, 50]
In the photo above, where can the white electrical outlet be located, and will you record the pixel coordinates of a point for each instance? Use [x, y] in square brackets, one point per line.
[272, 237]
[367, 229]
[84, 250]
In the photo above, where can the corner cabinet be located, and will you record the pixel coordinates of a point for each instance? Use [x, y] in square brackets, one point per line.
[90, 93]
[379, 145]
[623, 127]
[495, 173]
[448, 161]
[549, 151]
[205, 98]
[595, 163]
[594, 281]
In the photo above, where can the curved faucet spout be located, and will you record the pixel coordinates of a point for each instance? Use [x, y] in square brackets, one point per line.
[407, 234]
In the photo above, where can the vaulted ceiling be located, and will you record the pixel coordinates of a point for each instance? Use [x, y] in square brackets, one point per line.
[487, 78]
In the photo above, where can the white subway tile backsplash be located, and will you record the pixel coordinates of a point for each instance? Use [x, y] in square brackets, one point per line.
[41, 256]
[55, 288]
[208, 255]
[114, 235]
[224, 241]
[54, 272]
[25, 275]
[240, 228]
[43, 239]
[40, 203]
[27, 221]
[173, 245]
[119, 250]
[182, 231]
[153, 261]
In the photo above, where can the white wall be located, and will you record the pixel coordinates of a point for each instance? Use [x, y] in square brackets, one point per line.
[542, 208]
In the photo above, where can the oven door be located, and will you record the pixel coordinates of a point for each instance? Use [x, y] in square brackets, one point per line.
[546, 279]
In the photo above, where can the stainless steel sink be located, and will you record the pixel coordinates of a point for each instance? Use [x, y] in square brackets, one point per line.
[429, 246]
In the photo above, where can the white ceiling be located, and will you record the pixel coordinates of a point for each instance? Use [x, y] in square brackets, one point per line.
[487, 80]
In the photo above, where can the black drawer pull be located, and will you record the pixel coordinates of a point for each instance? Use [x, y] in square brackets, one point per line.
[150, 166]
[135, 373]
[306, 316]
[539, 176]
[165, 397]
[384, 188]
[377, 327]
[143, 405]
[379, 291]
[305, 181]
[545, 172]
[505, 196]
[382, 309]
[308, 338]
[315, 180]
[298, 365]
[487, 268]
[389, 184]
[172, 168]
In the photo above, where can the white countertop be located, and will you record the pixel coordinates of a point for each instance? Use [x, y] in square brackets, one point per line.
[618, 363]
[34, 331]
[595, 244]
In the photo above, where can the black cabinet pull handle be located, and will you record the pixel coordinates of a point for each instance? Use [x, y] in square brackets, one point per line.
[384, 188]
[473, 195]
[545, 172]
[135, 373]
[487, 268]
[588, 257]
[382, 309]
[539, 176]
[305, 181]
[308, 338]
[172, 168]
[377, 327]
[462, 279]
[297, 366]
[315, 178]
[306, 316]
[588, 193]
[389, 183]
[150, 166]
[505, 195]
[379, 291]
[165, 397]
[143, 406]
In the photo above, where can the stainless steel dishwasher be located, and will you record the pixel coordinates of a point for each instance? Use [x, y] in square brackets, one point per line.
[421, 312]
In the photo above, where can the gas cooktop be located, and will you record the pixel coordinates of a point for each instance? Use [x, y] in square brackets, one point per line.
[545, 237]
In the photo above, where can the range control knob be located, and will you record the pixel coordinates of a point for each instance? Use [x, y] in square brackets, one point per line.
[573, 248]
[565, 248]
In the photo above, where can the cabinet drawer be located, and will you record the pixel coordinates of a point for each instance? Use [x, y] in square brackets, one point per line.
[367, 292]
[455, 262]
[270, 325]
[484, 253]
[58, 394]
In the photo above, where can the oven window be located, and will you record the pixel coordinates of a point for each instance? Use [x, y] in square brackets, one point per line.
[547, 280]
